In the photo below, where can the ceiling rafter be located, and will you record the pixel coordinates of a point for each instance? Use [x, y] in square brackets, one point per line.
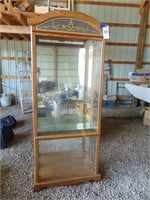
[18, 18]
[25, 37]
[5, 36]
[144, 5]
[21, 19]
[14, 36]
[10, 36]
[5, 19]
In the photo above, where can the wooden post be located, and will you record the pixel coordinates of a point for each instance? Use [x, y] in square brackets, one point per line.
[142, 34]
[72, 5]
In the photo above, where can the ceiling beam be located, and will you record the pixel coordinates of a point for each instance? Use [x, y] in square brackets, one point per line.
[4, 36]
[25, 37]
[104, 3]
[14, 29]
[22, 20]
[142, 35]
[5, 18]
[14, 37]
[143, 5]
[9, 36]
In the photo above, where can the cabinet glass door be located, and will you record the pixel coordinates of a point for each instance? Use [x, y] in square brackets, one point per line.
[67, 86]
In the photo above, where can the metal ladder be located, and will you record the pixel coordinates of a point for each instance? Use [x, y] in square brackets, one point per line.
[24, 84]
[123, 101]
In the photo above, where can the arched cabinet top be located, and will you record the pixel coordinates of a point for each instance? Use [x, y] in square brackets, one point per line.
[66, 22]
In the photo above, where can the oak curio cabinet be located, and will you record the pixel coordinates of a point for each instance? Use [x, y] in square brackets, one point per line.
[67, 69]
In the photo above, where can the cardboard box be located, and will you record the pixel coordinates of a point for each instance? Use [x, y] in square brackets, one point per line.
[143, 70]
[41, 6]
[139, 77]
[146, 119]
[41, 9]
[23, 5]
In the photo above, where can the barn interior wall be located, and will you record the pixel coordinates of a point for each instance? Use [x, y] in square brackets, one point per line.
[121, 48]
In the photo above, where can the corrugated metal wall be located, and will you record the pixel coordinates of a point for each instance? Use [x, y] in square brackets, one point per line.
[65, 59]
[118, 34]
[125, 15]
[13, 50]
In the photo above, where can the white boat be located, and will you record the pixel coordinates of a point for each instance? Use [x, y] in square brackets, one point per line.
[141, 92]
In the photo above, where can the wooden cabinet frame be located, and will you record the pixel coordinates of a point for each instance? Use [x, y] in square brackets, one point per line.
[65, 26]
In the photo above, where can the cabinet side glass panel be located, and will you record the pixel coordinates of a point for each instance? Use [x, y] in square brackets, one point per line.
[67, 87]
[67, 158]
[97, 64]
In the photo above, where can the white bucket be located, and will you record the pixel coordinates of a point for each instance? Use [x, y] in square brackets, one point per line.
[5, 100]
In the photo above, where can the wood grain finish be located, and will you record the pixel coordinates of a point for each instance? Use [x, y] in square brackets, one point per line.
[64, 168]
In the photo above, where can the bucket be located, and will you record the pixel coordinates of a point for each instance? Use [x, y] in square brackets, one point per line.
[5, 100]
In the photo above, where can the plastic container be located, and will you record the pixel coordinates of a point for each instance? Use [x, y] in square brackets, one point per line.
[5, 100]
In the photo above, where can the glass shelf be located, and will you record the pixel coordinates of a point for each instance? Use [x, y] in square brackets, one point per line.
[66, 123]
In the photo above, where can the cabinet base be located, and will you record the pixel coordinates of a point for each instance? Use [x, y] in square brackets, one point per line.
[72, 181]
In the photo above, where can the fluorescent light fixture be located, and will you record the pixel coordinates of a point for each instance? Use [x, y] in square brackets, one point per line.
[58, 42]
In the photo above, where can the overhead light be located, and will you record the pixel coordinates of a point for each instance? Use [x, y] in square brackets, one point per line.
[58, 42]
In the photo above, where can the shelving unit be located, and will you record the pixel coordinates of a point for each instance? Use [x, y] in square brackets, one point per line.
[67, 98]
[128, 98]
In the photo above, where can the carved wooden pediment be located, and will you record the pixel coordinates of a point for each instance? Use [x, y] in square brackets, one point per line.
[67, 22]
[68, 25]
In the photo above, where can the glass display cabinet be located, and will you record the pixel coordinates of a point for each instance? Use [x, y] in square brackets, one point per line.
[67, 75]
